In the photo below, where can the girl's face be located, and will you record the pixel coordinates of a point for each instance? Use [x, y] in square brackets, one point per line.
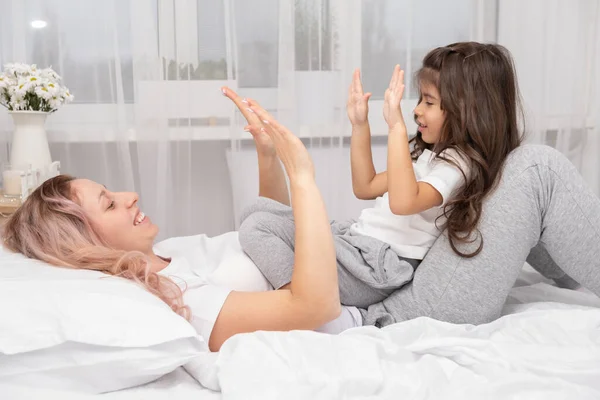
[429, 115]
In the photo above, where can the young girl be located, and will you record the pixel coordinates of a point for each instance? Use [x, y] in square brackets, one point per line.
[467, 118]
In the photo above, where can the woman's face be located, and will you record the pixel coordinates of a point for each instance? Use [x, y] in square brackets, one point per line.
[115, 216]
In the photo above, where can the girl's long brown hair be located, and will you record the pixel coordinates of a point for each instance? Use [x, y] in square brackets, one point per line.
[482, 105]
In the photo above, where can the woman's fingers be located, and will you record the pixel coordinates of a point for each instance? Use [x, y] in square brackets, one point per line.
[269, 123]
[242, 104]
[290, 150]
[274, 129]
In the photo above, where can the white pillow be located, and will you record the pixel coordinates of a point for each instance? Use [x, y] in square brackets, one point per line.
[85, 331]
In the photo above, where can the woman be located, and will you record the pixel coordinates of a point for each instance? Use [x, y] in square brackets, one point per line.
[540, 200]
[78, 223]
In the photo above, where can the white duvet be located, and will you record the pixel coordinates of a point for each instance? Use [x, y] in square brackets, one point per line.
[539, 349]
[546, 346]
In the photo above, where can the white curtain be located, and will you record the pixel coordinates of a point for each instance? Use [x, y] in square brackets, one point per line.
[319, 44]
[148, 115]
[556, 46]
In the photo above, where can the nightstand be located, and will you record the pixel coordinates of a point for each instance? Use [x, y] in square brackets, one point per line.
[8, 205]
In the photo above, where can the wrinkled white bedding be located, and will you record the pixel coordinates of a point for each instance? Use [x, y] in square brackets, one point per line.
[546, 346]
[539, 349]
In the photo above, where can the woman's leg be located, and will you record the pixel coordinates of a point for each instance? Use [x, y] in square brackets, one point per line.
[542, 199]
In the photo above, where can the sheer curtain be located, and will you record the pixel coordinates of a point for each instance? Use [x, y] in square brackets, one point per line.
[146, 74]
[320, 43]
[556, 45]
[148, 115]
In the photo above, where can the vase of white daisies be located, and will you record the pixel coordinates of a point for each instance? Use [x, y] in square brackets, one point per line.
[30, 95]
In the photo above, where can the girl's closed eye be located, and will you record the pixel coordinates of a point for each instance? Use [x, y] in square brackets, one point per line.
[111, 205]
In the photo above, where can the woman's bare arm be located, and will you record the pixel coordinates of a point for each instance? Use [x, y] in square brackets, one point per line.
[313, 295]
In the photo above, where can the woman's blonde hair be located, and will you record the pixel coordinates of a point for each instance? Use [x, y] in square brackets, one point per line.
[50, 226]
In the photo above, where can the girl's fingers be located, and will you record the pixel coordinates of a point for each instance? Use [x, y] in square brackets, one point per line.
[400, 83]
[357, 84]
[394, 80]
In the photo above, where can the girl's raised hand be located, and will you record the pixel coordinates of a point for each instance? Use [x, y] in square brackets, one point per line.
[393, 95]
[357, 106]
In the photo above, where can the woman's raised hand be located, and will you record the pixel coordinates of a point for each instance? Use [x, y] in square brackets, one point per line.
[290, 150]
[264, 144]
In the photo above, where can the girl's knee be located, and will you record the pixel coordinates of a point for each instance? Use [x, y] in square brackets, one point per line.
[254, 227]
[263, 204]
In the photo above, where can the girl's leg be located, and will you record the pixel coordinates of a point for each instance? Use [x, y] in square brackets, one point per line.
[368, 270]
[267, 235]
[541, 198]
[540, 260]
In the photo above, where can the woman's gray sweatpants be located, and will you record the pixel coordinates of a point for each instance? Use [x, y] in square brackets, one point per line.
[368, 269]
[541, 212]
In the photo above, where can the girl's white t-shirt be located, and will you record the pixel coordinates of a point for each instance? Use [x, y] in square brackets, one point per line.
[412, 236]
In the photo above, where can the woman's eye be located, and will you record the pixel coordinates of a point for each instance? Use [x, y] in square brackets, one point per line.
[112, 205]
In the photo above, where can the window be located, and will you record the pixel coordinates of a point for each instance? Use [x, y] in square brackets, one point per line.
[86, 42]
[402, 32]
[195, 46]
[257, 40]
[314, 41]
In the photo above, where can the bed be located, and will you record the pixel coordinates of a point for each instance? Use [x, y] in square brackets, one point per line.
[546, 345]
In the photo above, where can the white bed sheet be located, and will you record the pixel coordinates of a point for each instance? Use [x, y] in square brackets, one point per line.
[175, 385]
[547, 346]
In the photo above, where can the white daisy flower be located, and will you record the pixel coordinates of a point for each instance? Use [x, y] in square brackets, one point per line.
[52, 87]
[22, 88]
[43, 93]
[19, 69]
[48, 73]
[12, 92]
[18, 104]
[40, 87]
[55, 103]
[34, 81]
[10, 69]
[67, 96]
[4, 82]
